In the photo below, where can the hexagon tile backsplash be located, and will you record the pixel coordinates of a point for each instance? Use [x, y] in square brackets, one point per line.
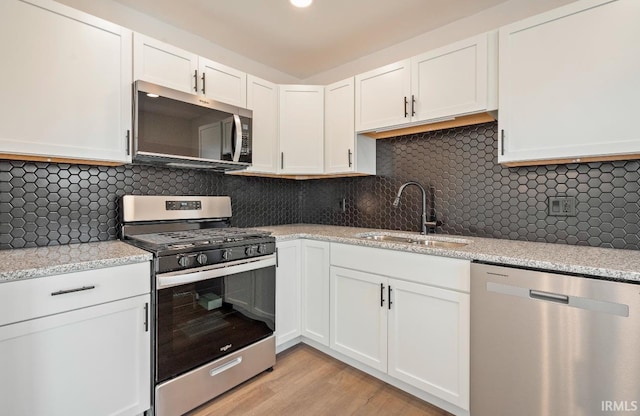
[475, 196]
[48, 204]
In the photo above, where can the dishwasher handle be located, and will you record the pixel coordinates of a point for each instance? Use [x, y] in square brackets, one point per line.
[550, 297]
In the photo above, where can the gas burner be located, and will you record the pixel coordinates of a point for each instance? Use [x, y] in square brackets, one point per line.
[183, 239]
[189, 239]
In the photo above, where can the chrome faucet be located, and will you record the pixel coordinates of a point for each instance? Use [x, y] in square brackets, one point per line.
[426, 225]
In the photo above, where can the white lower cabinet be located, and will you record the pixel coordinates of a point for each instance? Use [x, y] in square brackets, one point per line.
[302, 292]
[404, 314]
[92, 360]
[287, 292]
[428, 340]
[314, 322]
[358, 317]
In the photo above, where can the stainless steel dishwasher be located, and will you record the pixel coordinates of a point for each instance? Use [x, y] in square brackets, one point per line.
[547, 344]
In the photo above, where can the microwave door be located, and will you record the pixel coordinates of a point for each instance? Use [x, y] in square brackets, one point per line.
[221, 141]
[211, 141]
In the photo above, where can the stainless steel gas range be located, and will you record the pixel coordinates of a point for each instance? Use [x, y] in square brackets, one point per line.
[214, 296]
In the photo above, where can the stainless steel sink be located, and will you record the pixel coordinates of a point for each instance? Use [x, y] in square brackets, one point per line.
[425, 241]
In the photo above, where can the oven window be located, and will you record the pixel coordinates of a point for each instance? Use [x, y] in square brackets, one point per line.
[202, 321]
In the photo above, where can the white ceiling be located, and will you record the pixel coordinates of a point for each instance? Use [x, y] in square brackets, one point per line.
[304, 42]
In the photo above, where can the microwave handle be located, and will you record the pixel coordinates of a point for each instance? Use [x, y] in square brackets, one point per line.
[238, 138]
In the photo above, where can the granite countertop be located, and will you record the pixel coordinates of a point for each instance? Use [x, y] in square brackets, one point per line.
[27, 263]
[614, 264]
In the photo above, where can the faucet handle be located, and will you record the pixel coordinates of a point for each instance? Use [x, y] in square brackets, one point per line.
[431, 225]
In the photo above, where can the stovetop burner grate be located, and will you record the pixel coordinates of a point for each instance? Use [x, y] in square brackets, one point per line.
[199, 237]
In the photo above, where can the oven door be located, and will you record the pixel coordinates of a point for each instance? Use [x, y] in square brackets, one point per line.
[206, 314]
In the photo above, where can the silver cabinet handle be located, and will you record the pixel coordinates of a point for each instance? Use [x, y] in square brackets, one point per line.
[406, 113]
[225, 367]
[281, 160]
[78, 289]
[203, 84]
[350, 154]
[502, 142]
[413, 105]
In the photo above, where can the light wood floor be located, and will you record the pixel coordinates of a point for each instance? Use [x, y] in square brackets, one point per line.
[309, 383]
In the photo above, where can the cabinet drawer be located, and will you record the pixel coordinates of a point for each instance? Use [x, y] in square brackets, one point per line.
[28, 299]
[438, 271]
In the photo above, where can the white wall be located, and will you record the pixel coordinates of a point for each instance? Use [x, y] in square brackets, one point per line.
[484, 21]
[139, 22]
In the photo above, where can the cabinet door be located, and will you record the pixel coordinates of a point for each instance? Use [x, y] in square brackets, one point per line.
[262, 99]
[91, 361]
[65, 82]
[429, 340]
[315, 291]
[359, 316]
[339, 127]
[383, 96]
[288, 292]
[452, 80]
[569, 83]
[222, 83]
[164, 64]
[301, 129]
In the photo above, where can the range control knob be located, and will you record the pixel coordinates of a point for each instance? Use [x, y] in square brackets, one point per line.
[183, 261]
[262, 248]
[202, 259]
[250, 250]
[225, 254]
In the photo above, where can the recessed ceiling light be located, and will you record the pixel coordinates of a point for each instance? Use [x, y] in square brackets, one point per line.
[301, 3]
[150, 95]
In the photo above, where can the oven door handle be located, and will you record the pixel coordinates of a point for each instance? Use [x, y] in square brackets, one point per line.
[166, 280]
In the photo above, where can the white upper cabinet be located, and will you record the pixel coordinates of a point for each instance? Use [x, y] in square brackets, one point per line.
[454, 80]
[569, 84]
[301, 129]
[262, 99]
[222, 83]
[344, 151]
[65, 82]
[163, 64]
[382, 96]
[451, 81]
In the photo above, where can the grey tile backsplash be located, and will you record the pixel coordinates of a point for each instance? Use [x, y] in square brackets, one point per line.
[48, 204]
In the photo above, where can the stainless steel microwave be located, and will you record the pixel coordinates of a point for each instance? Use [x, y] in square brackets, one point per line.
[174, 128]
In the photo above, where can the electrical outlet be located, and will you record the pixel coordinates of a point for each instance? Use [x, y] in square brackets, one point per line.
[562, 206]
[341, 205]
